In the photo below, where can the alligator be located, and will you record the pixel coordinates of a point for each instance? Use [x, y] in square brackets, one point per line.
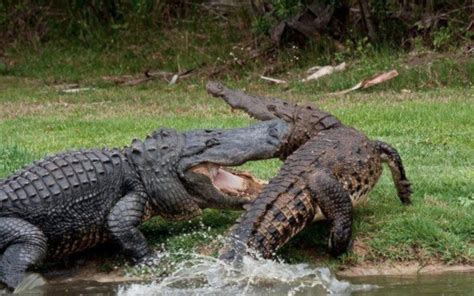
[75, 200]
[328, 168]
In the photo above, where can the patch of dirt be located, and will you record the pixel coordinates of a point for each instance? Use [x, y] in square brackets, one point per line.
[409, 268]
[89, 272]
[102, 264]
[422, 58]
[360, 248]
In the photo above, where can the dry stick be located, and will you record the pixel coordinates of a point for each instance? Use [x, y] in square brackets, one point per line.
[169, 77]
[274, 80]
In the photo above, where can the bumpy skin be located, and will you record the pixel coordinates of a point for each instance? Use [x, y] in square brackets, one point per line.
[328, 169]
[75, 200]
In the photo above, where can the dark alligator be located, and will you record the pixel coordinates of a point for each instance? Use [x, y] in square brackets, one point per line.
[75, 200]
[328, 168]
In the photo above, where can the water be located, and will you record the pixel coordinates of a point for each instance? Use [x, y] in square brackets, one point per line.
[205, 275]
[440, 284]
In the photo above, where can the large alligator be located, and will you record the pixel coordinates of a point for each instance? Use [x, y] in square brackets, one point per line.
[75, 200]
[328, 168]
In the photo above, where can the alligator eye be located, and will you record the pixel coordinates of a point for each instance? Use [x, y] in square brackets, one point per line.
[164, 147]
[271, 108]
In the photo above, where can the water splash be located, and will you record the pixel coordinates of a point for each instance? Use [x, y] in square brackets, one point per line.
[206, 275]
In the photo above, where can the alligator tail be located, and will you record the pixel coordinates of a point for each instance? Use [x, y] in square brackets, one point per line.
[270, 221]
[288, 216]
[390, 155]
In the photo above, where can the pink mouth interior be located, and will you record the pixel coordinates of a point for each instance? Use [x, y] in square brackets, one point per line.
[229, 181]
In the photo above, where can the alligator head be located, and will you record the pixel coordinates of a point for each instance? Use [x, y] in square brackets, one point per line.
[305, 120]
[207, 158]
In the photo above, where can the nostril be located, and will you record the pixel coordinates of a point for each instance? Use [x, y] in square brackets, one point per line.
[273, 132]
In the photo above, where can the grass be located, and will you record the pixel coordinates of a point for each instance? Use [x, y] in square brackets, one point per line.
[426, 113]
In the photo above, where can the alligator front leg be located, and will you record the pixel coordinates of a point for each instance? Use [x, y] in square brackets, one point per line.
[23, 244]
[335, 203]
[123, 221]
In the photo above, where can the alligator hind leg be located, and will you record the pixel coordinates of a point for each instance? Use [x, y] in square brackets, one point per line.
[392, 158]
[23, 245]
[335, 203]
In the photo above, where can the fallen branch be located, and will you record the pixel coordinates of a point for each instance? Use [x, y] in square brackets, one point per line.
[76, 90]
[169, 77]
[318, 72]
[366, 83]
[71, 88]
[274, 80]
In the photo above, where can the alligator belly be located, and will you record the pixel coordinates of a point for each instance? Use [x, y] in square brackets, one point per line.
[69, 244]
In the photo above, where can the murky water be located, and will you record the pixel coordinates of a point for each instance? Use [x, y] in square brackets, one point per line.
[204, 275]
[440, 284]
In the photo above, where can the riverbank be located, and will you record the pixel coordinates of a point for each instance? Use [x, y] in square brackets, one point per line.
[91, 271]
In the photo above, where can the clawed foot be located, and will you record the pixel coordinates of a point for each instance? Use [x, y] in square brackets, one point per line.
[30, 282]
[338, 246]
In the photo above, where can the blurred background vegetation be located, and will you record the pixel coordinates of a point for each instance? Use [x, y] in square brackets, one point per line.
[196, 32]
[406, 23]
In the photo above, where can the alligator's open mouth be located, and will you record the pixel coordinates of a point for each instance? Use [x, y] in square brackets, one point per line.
[230, 181]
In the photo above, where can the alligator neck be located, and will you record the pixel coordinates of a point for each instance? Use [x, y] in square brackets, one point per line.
[308, 121]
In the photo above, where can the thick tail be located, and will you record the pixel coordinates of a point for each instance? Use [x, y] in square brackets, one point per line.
[394, 161]
[270, 222]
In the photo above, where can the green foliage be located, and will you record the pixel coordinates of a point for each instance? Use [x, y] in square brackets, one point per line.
[443, 38]
[262, 25]
[286, 8]
[13, 157]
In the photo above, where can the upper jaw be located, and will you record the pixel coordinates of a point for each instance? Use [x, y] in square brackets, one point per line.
[233, 147]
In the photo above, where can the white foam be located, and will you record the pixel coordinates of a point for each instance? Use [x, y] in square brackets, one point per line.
[205, 275]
